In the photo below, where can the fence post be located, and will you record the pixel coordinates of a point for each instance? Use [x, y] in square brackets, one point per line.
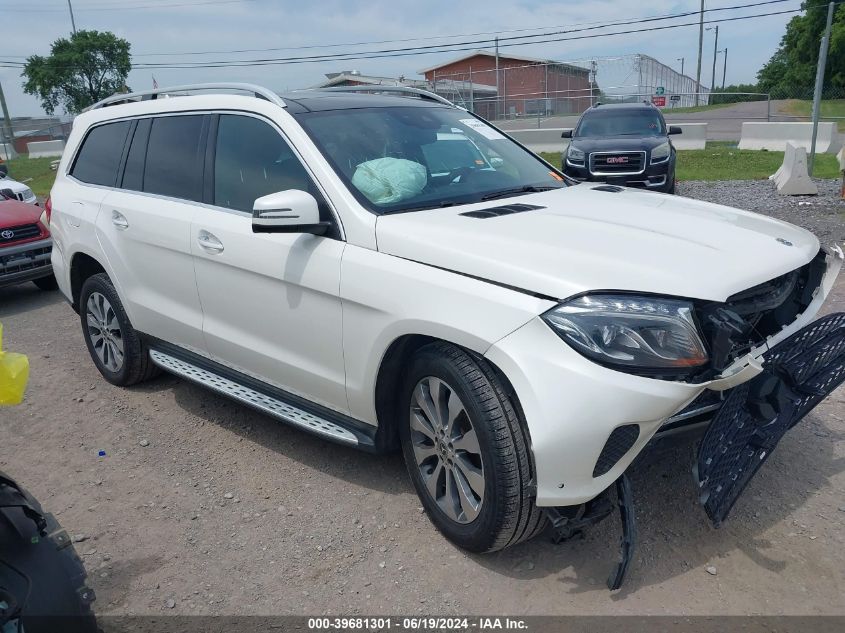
[768, 107]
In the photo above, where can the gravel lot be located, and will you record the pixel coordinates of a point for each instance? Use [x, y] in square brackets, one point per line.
[201, 506]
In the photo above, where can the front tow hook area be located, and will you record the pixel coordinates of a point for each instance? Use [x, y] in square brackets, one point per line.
[798, 374]
[570, 522]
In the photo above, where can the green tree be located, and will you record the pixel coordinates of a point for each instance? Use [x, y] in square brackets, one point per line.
[791, 72]
[80, 70]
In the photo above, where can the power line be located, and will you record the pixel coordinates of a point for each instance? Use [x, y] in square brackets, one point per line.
[592, 26]
[456, 47]
[665, 16]
[122, 7]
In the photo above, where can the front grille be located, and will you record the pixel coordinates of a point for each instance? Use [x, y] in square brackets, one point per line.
[619, 443]
[617, 162]
[18, 233]
[28, 260]
[749, 317]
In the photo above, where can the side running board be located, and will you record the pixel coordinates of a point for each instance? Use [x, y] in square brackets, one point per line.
[264, 402]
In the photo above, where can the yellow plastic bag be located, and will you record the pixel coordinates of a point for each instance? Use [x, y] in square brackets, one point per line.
[14, 374]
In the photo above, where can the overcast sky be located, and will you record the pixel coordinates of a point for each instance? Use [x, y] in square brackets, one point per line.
[162, 26]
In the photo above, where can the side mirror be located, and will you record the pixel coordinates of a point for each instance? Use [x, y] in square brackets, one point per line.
[4, 171]
[566, 134]
[290, 211]
[674, 129]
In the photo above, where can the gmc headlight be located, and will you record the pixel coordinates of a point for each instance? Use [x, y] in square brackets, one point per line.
[630, 332]
[660, 153]
[574, 154]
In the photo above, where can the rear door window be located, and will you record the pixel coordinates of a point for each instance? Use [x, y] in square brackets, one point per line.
[99, 156]
[175, 157]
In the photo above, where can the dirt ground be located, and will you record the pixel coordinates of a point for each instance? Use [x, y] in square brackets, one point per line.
[202, 506]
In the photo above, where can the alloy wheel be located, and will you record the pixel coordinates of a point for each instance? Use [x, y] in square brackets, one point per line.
[446, 450]
[104, 331]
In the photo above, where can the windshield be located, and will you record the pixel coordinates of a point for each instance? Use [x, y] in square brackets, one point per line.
[412, 158]
[618, 122]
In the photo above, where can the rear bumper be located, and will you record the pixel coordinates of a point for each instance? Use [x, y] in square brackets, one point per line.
[25, 262]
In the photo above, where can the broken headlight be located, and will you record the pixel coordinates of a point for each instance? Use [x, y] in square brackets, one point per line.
[651, 334]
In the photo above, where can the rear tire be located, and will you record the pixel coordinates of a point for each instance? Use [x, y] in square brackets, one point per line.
[473, 474]
[115, 347]
[46, 283]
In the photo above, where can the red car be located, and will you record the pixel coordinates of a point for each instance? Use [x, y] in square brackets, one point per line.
[25, 245]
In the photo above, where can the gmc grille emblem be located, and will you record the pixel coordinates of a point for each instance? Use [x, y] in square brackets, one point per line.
[7, 235]
[617, 160]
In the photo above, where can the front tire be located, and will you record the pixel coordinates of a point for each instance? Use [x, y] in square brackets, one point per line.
[466, 450]
[115, 347]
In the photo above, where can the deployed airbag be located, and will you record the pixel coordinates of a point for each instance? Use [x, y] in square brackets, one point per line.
[389, 180]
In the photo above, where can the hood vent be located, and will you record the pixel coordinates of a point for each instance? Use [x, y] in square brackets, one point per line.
[495, 212]
[609, 188]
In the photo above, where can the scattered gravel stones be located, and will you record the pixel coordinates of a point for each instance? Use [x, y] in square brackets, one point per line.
[710, 570]
[228, 495]
[170, 603]
[79, 538]
[823, 214]
[144, 443]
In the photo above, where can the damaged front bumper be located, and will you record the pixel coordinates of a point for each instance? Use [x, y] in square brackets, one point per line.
[798, 374]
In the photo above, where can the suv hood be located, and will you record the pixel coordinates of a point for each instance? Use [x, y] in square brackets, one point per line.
[586, 239]
[14, 213]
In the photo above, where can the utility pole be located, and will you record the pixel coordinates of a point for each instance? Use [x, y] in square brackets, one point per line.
[817, 98]
[72, 21]
[700, 52]
[715, 53]
[7, 125]
[498, 96]
[725, 68]
[681, 59]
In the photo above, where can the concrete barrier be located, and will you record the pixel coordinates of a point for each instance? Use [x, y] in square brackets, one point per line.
[541, 140]
[775, 136]
[694, 136]
[40, 149]
[792, 178]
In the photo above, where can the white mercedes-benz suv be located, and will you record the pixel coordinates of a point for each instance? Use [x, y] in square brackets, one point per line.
[390, 271]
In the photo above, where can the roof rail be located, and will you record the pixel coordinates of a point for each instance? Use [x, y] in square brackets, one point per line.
[422, 94]
[257, 91]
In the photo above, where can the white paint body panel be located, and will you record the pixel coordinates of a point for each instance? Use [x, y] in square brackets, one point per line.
[316, 316]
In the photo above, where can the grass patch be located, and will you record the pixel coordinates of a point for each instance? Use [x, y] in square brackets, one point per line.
[829, 108]
[35, 173]
[725, 162]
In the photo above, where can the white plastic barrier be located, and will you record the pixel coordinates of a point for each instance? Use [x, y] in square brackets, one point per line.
[40, 149]
[694, 136]
[4, 151]
[792, 178]
[775, 136]
[541, 140]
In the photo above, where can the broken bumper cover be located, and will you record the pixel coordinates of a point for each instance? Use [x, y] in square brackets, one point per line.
[799, 372]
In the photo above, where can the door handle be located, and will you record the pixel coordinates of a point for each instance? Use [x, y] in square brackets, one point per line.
[209, 242]
[119, 220]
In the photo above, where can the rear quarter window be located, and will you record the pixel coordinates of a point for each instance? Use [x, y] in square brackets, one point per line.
[99, 156]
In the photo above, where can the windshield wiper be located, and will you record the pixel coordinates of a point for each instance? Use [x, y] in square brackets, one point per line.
[517, 191]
